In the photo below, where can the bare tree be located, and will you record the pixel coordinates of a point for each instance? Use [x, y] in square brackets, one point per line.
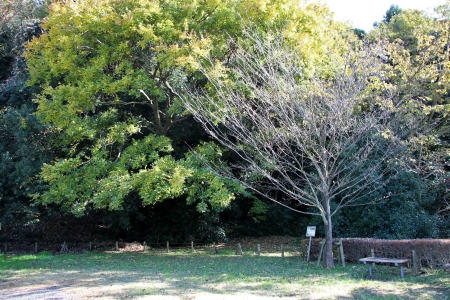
[318, 139]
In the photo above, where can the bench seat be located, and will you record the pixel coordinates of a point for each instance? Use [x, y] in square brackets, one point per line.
[398, 262]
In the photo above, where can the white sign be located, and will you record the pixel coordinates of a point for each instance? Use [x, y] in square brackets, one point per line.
[311, 231]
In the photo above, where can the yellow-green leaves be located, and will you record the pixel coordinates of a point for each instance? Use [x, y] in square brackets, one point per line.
[165, 180]
[416, 77]
[143, 167]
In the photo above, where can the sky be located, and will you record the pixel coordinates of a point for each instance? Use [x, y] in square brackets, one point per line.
[363, 13]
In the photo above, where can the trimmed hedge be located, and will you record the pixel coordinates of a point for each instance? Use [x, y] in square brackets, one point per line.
[430, 253]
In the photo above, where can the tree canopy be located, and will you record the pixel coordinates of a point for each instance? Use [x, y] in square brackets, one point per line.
[417, 72]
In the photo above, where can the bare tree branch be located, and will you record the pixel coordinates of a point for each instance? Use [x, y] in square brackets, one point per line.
[319, 139]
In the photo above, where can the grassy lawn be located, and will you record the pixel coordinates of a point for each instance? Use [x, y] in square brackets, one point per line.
[202, 275]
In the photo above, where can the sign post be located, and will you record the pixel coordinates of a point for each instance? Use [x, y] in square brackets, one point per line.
[310, 232]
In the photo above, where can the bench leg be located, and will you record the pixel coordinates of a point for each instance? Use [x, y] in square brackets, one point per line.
[370, 269]
[402, 273]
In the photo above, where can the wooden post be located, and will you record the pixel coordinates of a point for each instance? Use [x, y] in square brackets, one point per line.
[192, 246]
[341, 251]
[414, 261]
[167, 246]
[372, 253]
[36, 247]
[324, 252]
[322, 243]
[90, 246]
[282, 250]
[117, 246]
[64, 247]
[215, 248]
[145, 244]
[258, 249]
[341, 257]
[238, 249]
[309, 250]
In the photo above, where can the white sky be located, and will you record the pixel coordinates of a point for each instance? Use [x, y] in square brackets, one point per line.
[363, 13]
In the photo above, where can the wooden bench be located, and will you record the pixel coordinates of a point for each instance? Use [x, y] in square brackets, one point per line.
[395, 261]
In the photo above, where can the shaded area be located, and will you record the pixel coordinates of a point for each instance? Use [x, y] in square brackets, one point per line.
[411, 293]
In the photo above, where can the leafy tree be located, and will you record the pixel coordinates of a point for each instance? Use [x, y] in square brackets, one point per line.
[23, 146]
[391, 12]
[361, 34]
[416, 73]
[108, 72]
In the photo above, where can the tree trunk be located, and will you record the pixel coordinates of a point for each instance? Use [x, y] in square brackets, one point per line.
[329, 262]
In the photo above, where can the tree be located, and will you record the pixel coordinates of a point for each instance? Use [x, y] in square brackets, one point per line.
[391, 12]
[361, 34]
[319, 138]
[23, 145]
[108, 72]
[416, 73]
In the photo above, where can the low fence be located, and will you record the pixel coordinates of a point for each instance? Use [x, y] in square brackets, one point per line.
[429, 253]
[77, 247]
[167, 247]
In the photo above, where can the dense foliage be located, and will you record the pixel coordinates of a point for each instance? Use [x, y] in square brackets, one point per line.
[24, 144]
[91, 121]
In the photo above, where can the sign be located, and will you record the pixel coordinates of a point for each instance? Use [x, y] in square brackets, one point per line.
[311, 231]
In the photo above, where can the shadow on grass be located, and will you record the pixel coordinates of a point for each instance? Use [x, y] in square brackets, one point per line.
[408, 293]
[176, 275]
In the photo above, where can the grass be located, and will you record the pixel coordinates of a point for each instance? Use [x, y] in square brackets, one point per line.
[202, 275]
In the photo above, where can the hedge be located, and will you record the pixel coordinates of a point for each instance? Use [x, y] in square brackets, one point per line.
[430, 253]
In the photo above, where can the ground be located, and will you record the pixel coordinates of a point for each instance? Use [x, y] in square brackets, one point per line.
[203, 275]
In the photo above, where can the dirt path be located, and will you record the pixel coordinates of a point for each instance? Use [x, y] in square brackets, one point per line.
[45, 292]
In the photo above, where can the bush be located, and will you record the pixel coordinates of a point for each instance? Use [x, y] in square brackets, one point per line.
[404, 211]
[430, 253]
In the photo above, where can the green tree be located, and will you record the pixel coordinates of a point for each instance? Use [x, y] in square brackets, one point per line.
[391, 12]
[23, 145]
[416, 73]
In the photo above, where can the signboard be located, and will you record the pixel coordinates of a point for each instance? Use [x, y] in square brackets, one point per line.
[311, 231]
